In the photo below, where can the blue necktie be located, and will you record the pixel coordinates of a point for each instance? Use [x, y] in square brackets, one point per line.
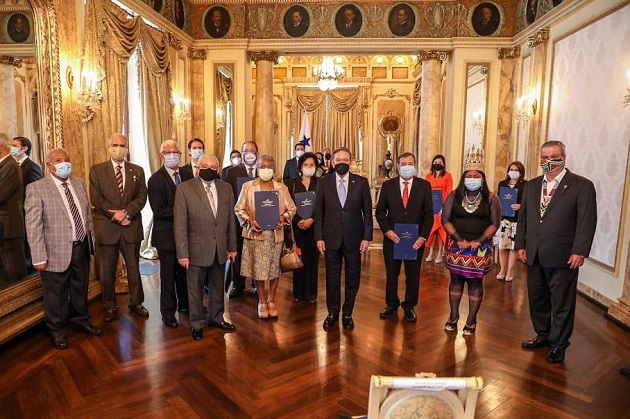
[178, 180]
[342, 192]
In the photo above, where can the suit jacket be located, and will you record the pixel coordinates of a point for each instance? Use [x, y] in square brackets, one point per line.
[350, 224]
[568, 226]
[200, 234]
[232, 177]
[11, 198]
[390, 209]
[188, 169]
[161, 191]
[49, 225]
[105, 195]
[31, 172]
[290, 169]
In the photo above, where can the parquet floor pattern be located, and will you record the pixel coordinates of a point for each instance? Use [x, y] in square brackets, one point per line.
[291, 368]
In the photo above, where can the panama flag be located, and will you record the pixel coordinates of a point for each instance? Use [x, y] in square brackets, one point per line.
[305, 133]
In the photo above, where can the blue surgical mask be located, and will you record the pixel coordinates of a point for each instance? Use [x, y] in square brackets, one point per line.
[407, 171]
[195, 153]
[250, 157]
[15, 151]
[171, 161]
[473, 184]
[63, 170]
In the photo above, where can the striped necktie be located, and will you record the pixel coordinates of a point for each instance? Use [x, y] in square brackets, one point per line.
[119, 178]
[76, 217]
[178, 180]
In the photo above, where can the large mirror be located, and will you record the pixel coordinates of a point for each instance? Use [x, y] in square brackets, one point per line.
[476, 105]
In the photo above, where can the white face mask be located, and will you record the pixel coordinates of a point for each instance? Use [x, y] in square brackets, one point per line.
[299, 153]
[118, 153]
[514, 174]
[265, 174]
[308, 171]
[195, 153]
[250, 157]
[236, 161]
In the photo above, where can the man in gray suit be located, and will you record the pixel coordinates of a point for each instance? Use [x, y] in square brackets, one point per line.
[556, 226]
[205, 238]
[118, 193]
[12, 263]
[59, 228]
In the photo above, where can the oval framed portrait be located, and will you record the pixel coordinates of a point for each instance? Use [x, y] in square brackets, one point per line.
[531, 11]
[401, 20]
[296, 21]
[18, 28]
[486, 19]
[217, 21]
[348, 20]
[156, 5]
[179, 16]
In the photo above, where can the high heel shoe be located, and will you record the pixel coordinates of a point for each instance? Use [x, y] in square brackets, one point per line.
[450, 326]
[263, 312]
[273, 310]
[470, 330]
[429, 258]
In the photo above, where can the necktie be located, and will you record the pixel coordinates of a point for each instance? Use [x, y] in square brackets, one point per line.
[342, 192]
[546, 196]
[76, 217]
[250, 172]
[213, 204]
[405, 195]
[178, 180]
[119, 178]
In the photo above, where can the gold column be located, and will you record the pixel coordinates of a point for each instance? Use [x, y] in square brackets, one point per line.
[620, 310]
[8, 121]
[264, 119]
[430, 95]
[198, 56]
[507, 96]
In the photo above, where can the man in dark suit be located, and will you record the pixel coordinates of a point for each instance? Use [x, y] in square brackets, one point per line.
[349, 24]
[343, 230]
[247, 169]
[531, 10]
[215, 26]
[297, 27]
[404, 25]
[485, 22]
[161, 191]
[118, 193]
[291, 166]
[235, 160]
[196, 148]
[59, 226]
[12, 264]
[556, 225]
[205, 238]
[405, 199]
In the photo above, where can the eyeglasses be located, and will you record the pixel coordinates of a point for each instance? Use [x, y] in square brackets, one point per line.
[167, 153]
[118, 145]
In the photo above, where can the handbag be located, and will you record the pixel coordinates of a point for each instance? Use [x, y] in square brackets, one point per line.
[289, 258]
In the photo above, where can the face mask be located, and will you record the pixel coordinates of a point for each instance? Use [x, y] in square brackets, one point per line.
[472, 184]
[250, 157]
[320, 162]
[236, 161]
[407, 171]
[342, 168]
[308, 171]
[118, 153]
[171, 161]
[299, 153]
[514, 174]
[436, 167]
[328, 157]
[265, 174]
[208, 174]
[195, 153]
[15, 151]
[63, 170]
[551, 165]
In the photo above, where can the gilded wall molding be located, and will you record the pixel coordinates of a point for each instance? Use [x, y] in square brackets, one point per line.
[391, 93]
[197, 53]
[541, 36]
[509, 53]
[5, 59]
[256, 56]
[174, 41]
[432, 55]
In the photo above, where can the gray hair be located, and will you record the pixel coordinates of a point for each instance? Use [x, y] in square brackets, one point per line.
[50, 152]
[119, 135]
[4, 139]
[168, 142]
[267, 157]
[555, 143]
[206, 156]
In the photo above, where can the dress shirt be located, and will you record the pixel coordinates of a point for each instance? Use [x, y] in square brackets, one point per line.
[22, 160]
[66, 204]
[210, 186]
[402, 185]
[171, 172]
[551, 184]
[346, 182]
[122, 169]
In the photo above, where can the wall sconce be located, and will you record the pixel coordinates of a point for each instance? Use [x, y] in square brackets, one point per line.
[626, 99]
[478, 122]
[182, 110]
[526, 106]
[90, 95]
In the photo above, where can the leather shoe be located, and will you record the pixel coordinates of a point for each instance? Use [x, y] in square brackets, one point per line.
[388, 311]
[330, 322]
[537, 342]
[236, 292]
[556, 355]
[197, 334]
[410, 315]
[139, 310]
[223, 325]
[347, 322]
[110, 316]
[170, 321]
[60, 342]
[89, 329]
[625, 371]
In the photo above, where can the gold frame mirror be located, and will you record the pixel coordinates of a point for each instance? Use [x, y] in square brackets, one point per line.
[476, 105]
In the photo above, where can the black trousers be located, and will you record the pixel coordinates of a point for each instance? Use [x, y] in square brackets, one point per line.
[198, 276]
[107, 257]
[412, 279]
[305, 279]
[55, 287]
[238, 279]
[333, 259]
[552, 294]
[12, 263]
[173, 288]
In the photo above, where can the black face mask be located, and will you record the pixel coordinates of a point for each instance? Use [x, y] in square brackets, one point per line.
[437, 167]
[327, 156]
[342, 168]
[208, 174]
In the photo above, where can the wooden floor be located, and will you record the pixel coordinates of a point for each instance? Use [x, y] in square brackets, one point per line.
[291, 368]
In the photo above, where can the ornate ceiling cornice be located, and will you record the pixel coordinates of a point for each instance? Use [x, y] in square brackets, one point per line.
[5, 59]
[509, 53]
[541, 36]
[255, 56]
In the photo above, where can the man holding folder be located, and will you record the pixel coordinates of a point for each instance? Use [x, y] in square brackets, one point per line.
[405, 215]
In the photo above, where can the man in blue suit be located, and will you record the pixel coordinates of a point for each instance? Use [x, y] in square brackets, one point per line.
[291, 166]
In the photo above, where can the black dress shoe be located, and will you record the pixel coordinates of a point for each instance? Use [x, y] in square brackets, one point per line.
[170, 321]
[330, 322]
[110, 316]
[625, 371]
[183, 309]
[347, 322]
[410, 315]
[139, 310]
[556, 355]
[388, 311]
[89, 329]
[223, 325]
[537, 342]
[197, 334]
[60, 342]
[236, 292]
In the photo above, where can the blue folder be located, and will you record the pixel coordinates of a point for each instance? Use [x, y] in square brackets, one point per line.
[267, 209]
[437, 201]
[239, 183]
[305, 202]
[408, 234]
[507, 197]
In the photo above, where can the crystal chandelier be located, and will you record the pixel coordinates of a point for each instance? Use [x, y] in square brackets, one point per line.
[328, 74]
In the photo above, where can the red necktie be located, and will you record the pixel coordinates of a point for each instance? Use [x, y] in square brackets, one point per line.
[405, 193]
